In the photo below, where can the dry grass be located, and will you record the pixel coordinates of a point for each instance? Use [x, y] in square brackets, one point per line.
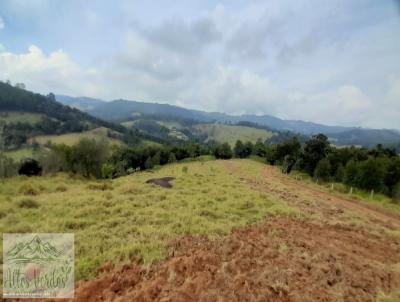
[126, 219]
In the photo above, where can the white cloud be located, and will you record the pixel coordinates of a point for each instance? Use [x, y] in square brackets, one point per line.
[2, 25]
[55, 72]
[299, 60]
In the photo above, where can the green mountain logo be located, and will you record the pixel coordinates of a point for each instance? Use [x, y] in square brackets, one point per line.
[34, 251]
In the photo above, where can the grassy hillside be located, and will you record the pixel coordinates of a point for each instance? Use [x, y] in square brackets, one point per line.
[73, 138]
[126, 218]
[20, 100]
[20, 117]
[230, 134]
[20, 153]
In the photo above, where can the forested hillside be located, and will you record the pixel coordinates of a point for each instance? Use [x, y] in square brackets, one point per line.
[26, 115]
[124, 110]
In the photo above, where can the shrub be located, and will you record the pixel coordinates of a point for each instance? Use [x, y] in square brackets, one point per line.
[28, 189]
[61, 188]
[100, 186]
[107, 170]
[171, 158]
[28, 203]
[223, 151]
[148, 163]
[322, 170]
[396, 193]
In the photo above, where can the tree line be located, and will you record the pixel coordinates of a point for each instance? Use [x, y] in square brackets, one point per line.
[375, 169]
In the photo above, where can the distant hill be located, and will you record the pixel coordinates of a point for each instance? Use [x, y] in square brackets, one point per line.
[366, 137]
[81, 103]
[25, 115]
[123, 110]
[232, 133]
[13, 99]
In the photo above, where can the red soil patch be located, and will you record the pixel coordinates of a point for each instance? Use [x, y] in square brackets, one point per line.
[162, 182]
[280, 260]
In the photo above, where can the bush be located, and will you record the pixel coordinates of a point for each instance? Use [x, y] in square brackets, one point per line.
[323, 169]
[396, 193]
[61, 188]
[223, 151]
[28, 189]
[370, 175]
[340, 173]
[8, 167]
[28, 203]
[103, 186]
[171, 158]
[107, 170]
[350, 173]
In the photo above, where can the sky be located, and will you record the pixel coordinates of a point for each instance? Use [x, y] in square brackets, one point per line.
[335, 62]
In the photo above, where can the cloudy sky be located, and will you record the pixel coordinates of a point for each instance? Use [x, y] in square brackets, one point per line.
[333, 62]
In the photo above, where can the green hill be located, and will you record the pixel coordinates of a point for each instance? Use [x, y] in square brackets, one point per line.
[230, 133]
[26, 117]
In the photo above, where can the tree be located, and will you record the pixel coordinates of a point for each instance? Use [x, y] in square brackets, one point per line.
[248, 149]
[340, 173]
[315, 149]
[8, 167]
[223, 151]
[107, 170]
[52, 161]
[271, 154]
[396, 192]
[148, 163]
[171, 158]
[289, 149]
[370, 175]
[350, 175]
[259, 149]
[392, 175]
[239, 149]
[90, 155]
[156, 159]
[322, 170]
[20, 86]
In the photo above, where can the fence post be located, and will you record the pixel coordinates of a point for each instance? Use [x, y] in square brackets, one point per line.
[351, 190]
[372, 194]
[332, 186]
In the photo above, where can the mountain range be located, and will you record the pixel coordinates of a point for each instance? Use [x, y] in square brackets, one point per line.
[125, 110]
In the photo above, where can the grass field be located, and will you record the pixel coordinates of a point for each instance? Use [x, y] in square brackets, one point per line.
[257, 221]
[230, 134]
[23, 117]
[20, 153]
[73, 138]
[170, 125]
[126, 219]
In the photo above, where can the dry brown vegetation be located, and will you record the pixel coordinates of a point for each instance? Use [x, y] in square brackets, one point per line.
[339, 249]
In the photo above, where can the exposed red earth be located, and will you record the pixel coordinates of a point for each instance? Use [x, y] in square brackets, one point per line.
[338, 250]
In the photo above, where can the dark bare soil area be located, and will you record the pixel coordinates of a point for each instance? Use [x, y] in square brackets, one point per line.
[162, 182]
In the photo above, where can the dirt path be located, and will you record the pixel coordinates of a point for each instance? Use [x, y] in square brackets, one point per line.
[374, 213]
